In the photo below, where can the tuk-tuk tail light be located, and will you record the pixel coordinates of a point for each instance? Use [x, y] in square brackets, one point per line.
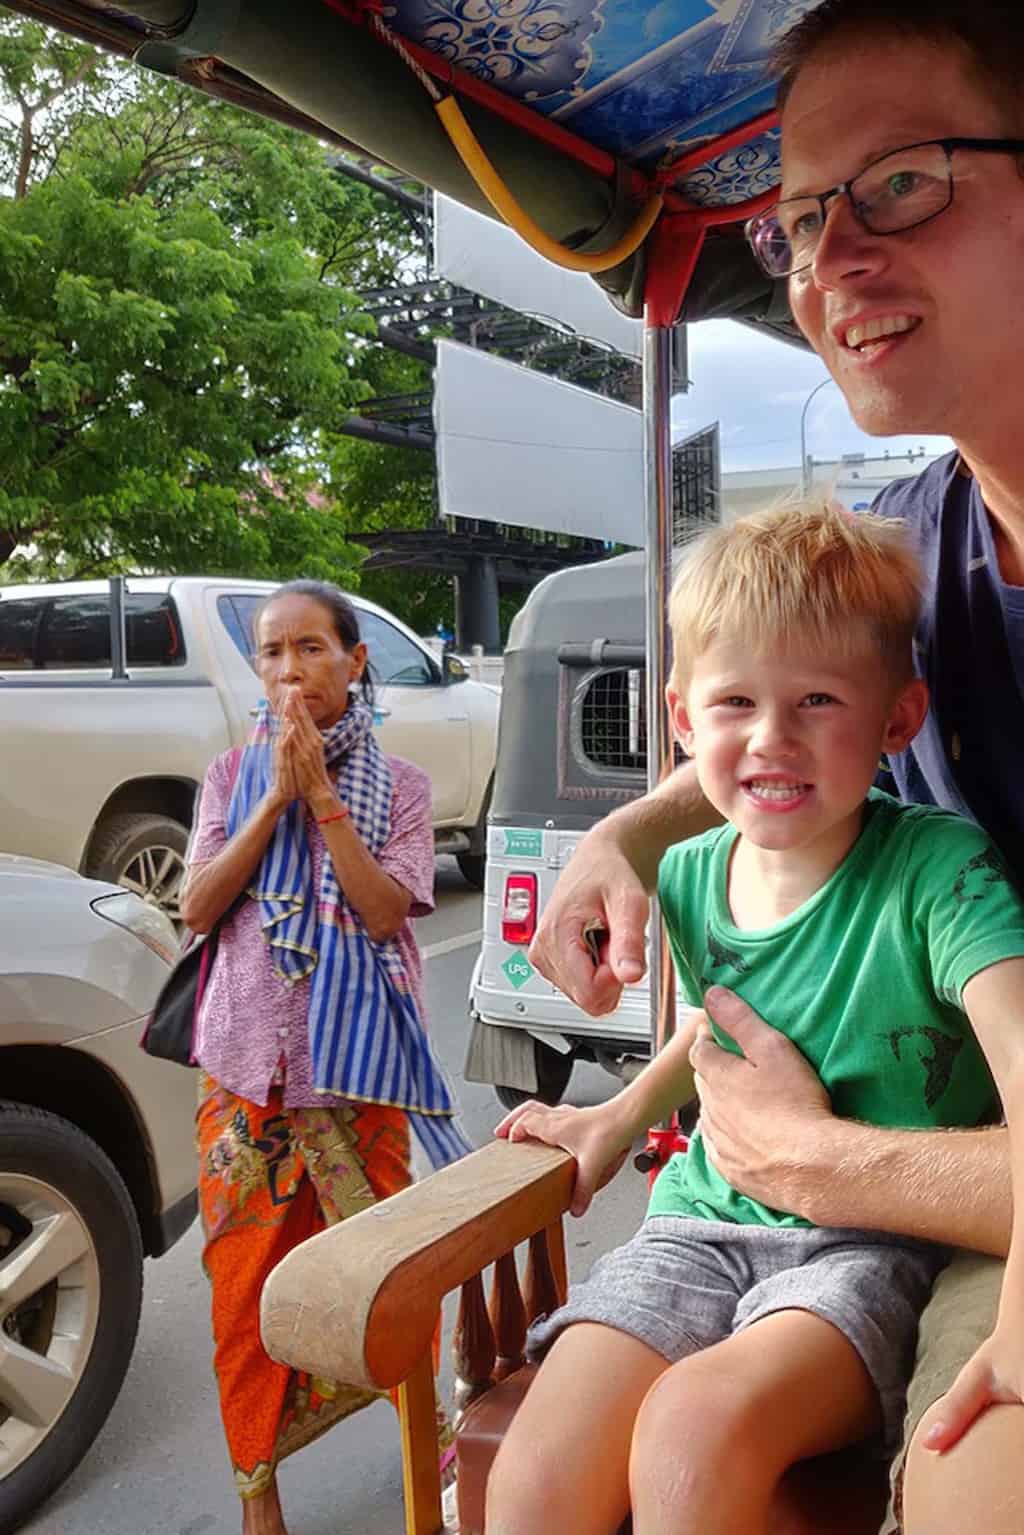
[519, 908]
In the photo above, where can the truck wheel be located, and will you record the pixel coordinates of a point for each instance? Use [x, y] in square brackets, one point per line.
[473, 864]
[553, 1072]
[70, 1293]
[472, 867]
[146, 854]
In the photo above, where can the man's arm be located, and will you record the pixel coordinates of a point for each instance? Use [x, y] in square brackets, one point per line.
[995, 1373]
[769, 1128]
[606, 885]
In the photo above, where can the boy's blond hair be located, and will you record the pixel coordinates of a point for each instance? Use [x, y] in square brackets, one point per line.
[806, 572]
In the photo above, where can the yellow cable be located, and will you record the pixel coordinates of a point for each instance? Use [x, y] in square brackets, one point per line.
[501, 200]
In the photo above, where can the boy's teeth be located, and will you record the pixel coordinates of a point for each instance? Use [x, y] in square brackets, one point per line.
[776, 790]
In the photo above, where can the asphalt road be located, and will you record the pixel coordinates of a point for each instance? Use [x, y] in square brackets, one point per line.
[159, 1467]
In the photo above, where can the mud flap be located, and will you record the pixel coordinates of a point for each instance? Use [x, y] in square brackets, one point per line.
[501, 1056]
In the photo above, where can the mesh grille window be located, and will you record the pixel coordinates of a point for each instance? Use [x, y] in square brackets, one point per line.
[613, 721]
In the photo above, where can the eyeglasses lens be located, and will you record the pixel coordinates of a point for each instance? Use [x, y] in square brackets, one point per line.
[901, 190]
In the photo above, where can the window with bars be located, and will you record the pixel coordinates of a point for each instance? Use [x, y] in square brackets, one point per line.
[613, 721]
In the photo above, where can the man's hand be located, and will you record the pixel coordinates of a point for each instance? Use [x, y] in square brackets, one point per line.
[756, 1110]
[994, 1374]
[598, 890]
[588, 1134]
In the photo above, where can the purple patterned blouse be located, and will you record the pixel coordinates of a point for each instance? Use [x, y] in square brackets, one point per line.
[252, 1024]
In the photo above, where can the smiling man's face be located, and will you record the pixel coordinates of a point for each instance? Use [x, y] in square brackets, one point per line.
[922, 330]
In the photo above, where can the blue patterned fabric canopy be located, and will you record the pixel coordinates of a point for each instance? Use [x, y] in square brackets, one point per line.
[644, 82]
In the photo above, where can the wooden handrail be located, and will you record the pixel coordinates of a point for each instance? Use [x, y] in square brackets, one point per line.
[358, 1303]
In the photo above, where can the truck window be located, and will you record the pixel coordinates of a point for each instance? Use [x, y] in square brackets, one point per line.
[394, 659]
[238, 614]
[19, 625]
[75, 633]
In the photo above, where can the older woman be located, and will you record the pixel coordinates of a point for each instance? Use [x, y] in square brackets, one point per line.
[313, 850]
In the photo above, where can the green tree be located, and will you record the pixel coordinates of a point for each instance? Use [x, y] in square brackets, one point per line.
[180, 335]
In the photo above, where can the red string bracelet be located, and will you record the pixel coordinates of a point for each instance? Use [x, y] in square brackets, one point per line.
[339, 815]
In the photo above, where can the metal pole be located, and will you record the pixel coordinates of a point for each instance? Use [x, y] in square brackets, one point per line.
[118, 646]
[805, 476]
[657, 397]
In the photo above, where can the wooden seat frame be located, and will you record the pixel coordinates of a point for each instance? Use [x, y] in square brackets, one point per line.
[359, 1303]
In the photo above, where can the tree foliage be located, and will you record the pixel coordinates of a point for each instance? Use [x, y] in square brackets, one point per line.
[180, 335]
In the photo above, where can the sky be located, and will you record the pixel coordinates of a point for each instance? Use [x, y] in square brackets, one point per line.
[756, 387]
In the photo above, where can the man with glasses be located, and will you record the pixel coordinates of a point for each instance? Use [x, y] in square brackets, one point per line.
[900, 230]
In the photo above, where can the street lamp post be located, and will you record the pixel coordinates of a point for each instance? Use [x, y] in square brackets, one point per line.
[805, 476]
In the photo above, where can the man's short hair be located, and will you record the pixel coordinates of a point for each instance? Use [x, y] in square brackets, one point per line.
[805, 573]
[990, 33]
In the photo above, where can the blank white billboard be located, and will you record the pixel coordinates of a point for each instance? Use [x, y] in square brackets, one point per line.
[489, 258]
[523, 448]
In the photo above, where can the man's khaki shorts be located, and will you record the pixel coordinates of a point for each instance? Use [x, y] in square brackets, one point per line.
[959, 1317]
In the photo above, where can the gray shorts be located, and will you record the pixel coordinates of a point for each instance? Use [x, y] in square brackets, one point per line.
[681, 1285]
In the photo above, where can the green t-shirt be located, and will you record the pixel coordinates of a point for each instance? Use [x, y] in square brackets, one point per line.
[866, 978]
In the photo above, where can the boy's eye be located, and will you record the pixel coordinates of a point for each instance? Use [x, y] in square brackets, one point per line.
[817, 699]
[737, 701]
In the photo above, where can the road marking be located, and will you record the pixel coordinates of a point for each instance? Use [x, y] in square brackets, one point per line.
[449, 945]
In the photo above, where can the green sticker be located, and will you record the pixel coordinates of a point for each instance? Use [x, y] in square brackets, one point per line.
[524, 844]
[518, 968]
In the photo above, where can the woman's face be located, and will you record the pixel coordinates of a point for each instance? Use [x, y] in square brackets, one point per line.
[298, 648]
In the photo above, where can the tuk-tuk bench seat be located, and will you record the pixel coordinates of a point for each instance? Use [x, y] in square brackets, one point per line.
[359, 1302]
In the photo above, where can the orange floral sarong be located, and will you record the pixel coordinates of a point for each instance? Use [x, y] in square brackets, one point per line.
[269, 1178]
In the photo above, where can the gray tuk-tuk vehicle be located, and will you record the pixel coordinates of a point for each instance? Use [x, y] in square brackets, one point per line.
[572, 745]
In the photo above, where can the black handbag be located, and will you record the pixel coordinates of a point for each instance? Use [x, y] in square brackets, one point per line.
[171, 1026]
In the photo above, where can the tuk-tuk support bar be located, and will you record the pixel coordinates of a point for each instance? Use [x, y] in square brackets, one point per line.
[582, 653]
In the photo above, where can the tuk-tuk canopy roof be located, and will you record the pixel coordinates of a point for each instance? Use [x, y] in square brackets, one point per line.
[583, 107]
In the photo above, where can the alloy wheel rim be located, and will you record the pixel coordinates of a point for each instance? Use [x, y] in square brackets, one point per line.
[157, 875]
[49, 1309]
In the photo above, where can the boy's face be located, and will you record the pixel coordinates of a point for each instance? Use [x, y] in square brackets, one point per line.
[954, 286]
[787, 742]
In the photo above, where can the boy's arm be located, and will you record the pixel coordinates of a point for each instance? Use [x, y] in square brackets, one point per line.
[768, 1125]
[994, 1001]
[607, 884]
[600, 1137]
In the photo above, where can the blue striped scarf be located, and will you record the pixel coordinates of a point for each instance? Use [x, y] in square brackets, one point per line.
[366, 1036]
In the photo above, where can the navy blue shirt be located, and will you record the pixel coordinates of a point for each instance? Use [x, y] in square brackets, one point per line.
[969, 755]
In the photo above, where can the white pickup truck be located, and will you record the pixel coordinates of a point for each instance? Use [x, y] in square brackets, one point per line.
[108, 722]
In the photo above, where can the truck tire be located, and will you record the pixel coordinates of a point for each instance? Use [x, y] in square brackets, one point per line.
[553, 1072]
[144, 853]
[472, 867]
[60, 1191]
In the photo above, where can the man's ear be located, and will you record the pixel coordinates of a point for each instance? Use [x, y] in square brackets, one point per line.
[906, 716]
[681, 726]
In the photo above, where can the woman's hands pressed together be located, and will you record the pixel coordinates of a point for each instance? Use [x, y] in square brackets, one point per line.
[301, 748]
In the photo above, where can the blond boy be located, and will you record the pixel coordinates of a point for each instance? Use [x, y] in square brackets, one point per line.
[728, 1339]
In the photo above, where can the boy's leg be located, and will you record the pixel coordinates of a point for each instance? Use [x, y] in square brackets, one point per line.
[595, 1378]
[978, 1483]
[717, 1431]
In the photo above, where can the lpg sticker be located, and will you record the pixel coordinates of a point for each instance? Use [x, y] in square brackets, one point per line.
[518, 968]
[524, 844]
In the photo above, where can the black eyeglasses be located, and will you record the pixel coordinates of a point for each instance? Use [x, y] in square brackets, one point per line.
[903, 189]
